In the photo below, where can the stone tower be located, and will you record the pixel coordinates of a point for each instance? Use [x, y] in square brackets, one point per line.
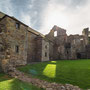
[85, 33]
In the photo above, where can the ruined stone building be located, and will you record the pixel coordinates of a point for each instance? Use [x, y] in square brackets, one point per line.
[20, 44]
[69, 47]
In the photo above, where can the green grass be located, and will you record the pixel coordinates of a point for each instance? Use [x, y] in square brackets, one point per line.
[7, 83]
[76, 72]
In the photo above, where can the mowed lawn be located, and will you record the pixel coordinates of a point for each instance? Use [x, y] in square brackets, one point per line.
[76, 72]
[8, 83]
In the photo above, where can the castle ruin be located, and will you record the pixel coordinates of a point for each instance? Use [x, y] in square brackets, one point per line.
[21, 45]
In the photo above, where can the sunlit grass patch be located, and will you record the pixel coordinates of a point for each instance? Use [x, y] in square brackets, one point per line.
[76, 72]
[53, 62]
[7, 83]
[50, 71]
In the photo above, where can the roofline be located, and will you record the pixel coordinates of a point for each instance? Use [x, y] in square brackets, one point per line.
[13, 19]
[3, 13]
[37, 33]
[31, 32]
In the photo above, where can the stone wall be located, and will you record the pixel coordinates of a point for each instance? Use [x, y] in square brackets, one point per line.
[60, 32]
[41, 83]
[77, 45]
[42, 49]
[45, 50]
[51, 50]
[38, 48]
[21, 44]
[77, 48]
[31, 51]
[86, 34]
[58, 42]
[2, 53]
[59, 47]
[3, 43]
[0, 67]
[17, 39]
[13, 38]
[88, 51]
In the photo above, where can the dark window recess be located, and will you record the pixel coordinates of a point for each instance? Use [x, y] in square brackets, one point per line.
[78, 55]
[89, 39]
[0, 30]
[17, 49]
[67, 52]
[68, 45]
[17, 25]
[1, 48]
[46, 46]
[45, 54]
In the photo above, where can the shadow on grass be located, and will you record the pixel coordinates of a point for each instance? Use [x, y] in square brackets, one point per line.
[65, 71]
[7, 83]
[33, 69]
[4, 77]
[18, 85]
[73, 72]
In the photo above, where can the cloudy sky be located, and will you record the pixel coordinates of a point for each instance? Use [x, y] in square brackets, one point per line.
[42, 15]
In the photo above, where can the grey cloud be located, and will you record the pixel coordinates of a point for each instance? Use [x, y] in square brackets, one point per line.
[71, 3]
[6, 7]
[36, 12]
[35, 8]
[19, 6]
[23, 6]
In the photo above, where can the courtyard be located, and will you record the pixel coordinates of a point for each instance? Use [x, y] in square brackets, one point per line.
[75, 72]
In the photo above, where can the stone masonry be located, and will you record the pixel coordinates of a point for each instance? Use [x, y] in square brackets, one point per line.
[69, 47]
[21, 45]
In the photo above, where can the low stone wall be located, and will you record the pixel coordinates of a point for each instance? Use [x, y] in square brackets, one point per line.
[41, 83]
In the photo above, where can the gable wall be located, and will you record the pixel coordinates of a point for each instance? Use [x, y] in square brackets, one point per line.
[16, 37]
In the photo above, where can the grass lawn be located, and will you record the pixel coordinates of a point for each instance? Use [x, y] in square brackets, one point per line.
[7, 83]
[76, 72]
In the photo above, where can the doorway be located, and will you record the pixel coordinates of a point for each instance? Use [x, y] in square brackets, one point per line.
[78, 55]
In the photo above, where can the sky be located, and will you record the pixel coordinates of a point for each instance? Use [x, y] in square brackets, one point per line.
[42, 15]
